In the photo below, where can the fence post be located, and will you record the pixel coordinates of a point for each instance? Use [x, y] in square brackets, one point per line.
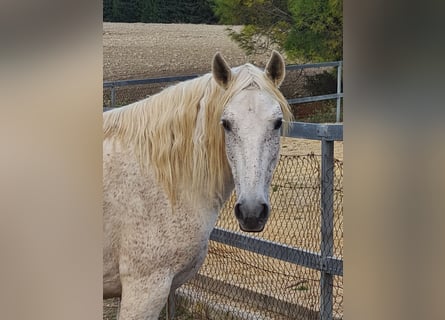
[327, 226]
[113, 97]
[340, 63]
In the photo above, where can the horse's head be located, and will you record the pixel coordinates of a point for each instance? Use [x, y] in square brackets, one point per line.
[251, 120]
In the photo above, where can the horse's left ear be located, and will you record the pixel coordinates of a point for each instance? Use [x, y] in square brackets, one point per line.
[275, 68]
[221, 71]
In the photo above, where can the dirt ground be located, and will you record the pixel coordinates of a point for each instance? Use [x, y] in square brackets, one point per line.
[138, 50]
[293, 146]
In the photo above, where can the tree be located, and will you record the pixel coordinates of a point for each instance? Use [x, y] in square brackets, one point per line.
[305, 29]
[265, 22]
[159, 11]
[107, 10]
[150, 10]
[126, 10]
[317, 31]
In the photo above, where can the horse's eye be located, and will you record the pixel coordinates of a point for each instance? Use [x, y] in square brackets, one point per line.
[277, 124]
[226, 125]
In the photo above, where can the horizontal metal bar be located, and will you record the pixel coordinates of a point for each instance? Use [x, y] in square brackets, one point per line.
[316, 131]
[278, 251]
[313, 65]
[266, 306]
[333, 266]
[122, 83]
[315, 98]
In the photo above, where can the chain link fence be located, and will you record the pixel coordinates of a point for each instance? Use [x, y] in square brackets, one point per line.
[238, 284]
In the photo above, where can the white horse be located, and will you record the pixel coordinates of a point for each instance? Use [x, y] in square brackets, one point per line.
[169, 164]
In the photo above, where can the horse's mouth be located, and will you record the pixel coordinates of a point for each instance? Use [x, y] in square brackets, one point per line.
[257, 229]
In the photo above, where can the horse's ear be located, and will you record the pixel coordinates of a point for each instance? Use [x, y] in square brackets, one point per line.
[275, 68]
[221, 71]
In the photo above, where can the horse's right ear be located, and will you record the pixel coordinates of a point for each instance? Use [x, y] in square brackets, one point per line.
[221, 71]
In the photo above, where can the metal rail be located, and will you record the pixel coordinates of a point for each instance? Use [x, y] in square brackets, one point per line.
[305, 258]
[123, 83]
[112, 85]
[316, 98]
[315, 131]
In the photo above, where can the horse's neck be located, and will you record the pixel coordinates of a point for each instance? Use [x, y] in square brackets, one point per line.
[216, 204]
[226, 192]
[229, 186]
[207, 212]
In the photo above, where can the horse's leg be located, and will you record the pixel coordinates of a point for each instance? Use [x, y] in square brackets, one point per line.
[144, 298]
[170, 309]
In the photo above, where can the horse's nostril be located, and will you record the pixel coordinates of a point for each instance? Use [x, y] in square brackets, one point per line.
[264, 211]
[238, 213]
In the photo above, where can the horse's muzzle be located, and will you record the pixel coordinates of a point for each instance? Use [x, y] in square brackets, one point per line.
[252, 218]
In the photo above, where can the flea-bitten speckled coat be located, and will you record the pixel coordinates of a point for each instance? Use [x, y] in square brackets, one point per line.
[169, 164]
[148, 249]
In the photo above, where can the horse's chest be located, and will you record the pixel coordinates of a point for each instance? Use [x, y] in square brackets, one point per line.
[177, 242]
[189, 242]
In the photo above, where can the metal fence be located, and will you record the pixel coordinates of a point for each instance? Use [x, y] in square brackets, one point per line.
[123, 92]
[294, 269]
